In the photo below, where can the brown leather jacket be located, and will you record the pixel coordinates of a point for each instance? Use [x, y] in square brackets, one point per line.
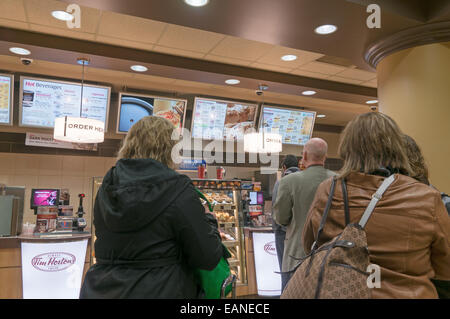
[408, 233]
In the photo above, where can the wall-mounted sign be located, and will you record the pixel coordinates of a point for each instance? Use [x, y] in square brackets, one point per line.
[6, 98]
[46, 140]
[266, 264]
[191, 164]
[53, 270]
[44, 100]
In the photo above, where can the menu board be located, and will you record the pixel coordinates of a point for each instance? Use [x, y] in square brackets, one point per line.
[218, 120]
[44, 100]
[295, 126]
[133, 107]
[6, 88]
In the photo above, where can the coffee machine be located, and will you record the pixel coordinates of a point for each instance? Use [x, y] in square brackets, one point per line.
[79, 222]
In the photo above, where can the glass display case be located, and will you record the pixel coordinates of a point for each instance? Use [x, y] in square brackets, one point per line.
[226, 199]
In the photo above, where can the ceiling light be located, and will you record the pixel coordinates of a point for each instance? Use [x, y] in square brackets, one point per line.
[309, 92]
[289, 57]
[62, 15]
[325, 29]
[20, 51]
[139, 68]
[321, 115]
[232, 81]
[372, 102]
[197, 3]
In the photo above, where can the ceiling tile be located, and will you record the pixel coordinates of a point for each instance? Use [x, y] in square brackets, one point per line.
[356, 74]
[269, 67]
[130, 28]
[39, 12]
[124, 43]
[222, 59]
[324, 68]
[189, 39]
[185, 53]
[12, 10]
[62, 32]
[274, 57]
[232, 47]
[13, 24]
[345, 80]
[310, 74]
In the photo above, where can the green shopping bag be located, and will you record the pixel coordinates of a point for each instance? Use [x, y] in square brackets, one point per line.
[212, 280]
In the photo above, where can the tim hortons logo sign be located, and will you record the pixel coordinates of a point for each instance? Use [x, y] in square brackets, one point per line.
[270, 248]
[53, 261]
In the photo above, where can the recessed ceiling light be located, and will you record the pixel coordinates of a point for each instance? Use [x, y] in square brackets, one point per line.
[325, 29]
[232, 81]
[20, 51]
[62, 15]
[289, 57]
[321, 115]
[139, 68]
[197, 3]
[372, 102]
[309, 92]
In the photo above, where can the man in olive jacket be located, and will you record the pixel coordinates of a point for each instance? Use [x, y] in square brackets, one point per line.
[295, 195]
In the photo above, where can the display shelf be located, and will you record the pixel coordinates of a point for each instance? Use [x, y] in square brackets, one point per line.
[231, 243]
[227, 224]
[220, 207]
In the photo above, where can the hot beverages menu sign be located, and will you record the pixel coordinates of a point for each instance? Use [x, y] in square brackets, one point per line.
[44, 100]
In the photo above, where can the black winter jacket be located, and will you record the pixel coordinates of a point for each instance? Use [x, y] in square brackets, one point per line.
[152, 231]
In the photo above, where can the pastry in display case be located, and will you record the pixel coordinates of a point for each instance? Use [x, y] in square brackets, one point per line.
[224, 196]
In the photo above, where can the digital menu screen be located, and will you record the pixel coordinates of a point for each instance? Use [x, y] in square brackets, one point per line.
[222, 120]
[6, 89]
[44, 100]
[295, 126]
[133, 107]
[44, 197]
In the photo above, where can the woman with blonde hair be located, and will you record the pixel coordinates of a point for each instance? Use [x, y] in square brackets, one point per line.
[152, 230]
[408, 233]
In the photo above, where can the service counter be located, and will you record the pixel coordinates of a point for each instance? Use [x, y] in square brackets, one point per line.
[43, 267]
[262, 262]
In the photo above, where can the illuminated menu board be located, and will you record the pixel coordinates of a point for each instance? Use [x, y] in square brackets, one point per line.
[6, 98]
[133, 107]
[295, 126]
[222, 120]
[44, 100]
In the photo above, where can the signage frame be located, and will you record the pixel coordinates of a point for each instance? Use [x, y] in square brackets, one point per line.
[11, 99]
[23, 77]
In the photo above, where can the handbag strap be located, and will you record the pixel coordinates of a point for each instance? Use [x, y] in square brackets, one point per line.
[325, 214]
[345, 196]
[375, 199]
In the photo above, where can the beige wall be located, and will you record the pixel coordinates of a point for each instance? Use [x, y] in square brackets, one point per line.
[40, 171]
[414, 89]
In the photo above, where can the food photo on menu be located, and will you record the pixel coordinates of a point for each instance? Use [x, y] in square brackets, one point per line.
[135, 107]
[238, 119]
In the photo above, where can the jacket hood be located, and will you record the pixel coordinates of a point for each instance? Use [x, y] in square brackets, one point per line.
[135, 192]
[291, 170]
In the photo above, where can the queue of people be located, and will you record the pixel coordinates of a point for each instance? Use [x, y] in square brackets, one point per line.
[153, 232]
[408, 234]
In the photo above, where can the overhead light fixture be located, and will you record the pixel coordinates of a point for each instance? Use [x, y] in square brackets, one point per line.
[310, 92]
[62, 15]
[289, 57]
[139, 68]
[372, 102]
[79, 129]
[197, 3]
[325, 29]
[232, 81]
[20, 51]
[321, 115]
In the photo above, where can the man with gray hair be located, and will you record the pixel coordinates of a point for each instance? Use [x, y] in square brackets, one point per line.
[295, 195]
